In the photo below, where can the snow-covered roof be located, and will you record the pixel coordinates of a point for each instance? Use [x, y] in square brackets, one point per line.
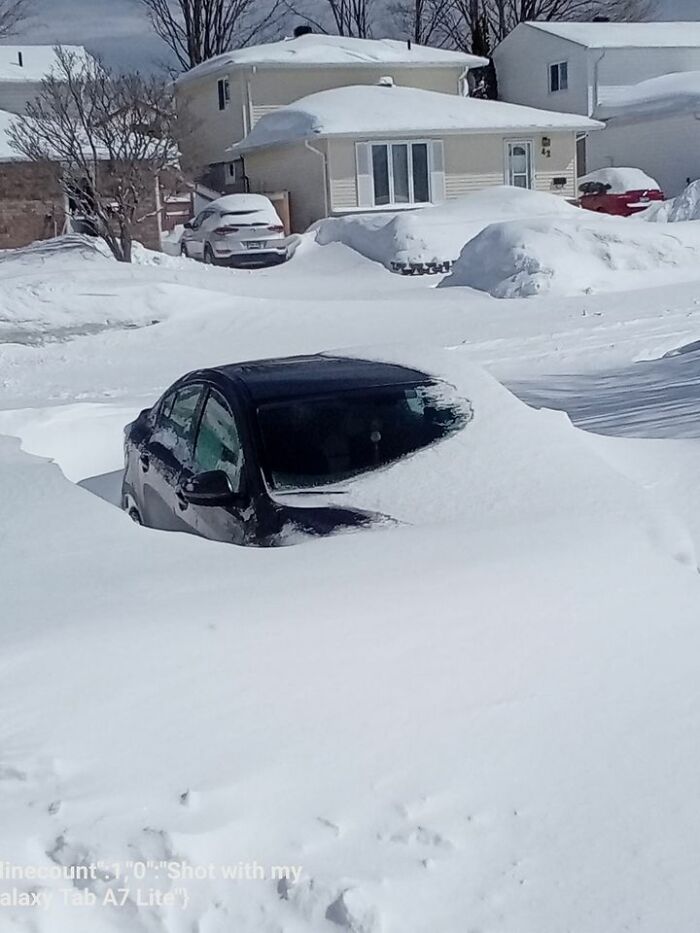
[663, 96]
[625, 35]
[371, 110]
[331, 51]
[37, 61]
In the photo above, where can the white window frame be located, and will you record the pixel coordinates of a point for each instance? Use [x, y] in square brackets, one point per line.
[390, 165]
[558, 66]
[223, 92]
[530, 148]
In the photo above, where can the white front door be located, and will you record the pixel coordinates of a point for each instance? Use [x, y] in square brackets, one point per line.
[519, 163]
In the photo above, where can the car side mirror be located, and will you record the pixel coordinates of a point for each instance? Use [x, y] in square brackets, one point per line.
[188, 225]
[210, 488]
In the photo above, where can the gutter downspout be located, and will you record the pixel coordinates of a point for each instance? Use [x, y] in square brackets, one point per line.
[324, 159]
[593, 106]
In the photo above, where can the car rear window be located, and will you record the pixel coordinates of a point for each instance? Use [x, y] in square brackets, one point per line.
[319, 440]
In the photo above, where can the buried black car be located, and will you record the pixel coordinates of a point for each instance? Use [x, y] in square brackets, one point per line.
[224, 451]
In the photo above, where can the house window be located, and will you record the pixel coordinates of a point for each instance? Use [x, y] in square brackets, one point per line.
[224, 93]
[558, 77]
[400, 173]
[519, 163]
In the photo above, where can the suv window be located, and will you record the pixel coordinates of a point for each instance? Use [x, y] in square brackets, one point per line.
[317, 440]
[218, 445]
[176, 421]
[200, 218]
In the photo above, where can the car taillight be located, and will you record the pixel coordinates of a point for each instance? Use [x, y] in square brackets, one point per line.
[276, 228]
[222, 231]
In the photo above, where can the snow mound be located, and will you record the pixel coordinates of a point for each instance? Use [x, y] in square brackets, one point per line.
[620, 180]
[435, 234]
[684, 207]
[519, 259]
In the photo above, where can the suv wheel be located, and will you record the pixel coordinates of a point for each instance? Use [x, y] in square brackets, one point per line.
[208, 255]
[183, 251]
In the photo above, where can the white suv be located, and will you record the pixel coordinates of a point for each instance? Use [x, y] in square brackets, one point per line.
[238, 229]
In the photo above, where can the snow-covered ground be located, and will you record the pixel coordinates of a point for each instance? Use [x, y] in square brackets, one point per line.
[483, 719]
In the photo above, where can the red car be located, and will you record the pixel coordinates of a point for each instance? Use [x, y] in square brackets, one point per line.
[620, 191]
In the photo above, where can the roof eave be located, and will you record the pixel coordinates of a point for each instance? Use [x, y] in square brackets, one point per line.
[432, 131]
[467, 62]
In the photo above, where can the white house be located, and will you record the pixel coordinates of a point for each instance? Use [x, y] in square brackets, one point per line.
[228, 94]
[654, 125]
[364, 148]
[580, 67]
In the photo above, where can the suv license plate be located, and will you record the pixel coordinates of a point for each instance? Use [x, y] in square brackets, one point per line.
[256, 244]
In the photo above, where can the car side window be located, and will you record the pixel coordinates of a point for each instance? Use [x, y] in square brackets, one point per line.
[218, 445]
[200, 218]
[175, 422]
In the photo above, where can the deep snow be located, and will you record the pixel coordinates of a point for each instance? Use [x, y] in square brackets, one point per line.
[481, 719]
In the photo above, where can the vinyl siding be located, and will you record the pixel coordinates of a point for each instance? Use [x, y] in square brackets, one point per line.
[275, 87]
[213, 130]
[342, 171]
[294, 169]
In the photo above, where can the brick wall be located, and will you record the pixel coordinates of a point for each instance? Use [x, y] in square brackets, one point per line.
[32, 206]
[31, 203]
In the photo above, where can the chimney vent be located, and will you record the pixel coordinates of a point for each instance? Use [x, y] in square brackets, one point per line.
[386, 81]
[20, 60]
[302, 30]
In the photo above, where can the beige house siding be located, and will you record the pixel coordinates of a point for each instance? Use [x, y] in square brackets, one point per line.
[208, 131]
[472, 163]
[294, 169]
[342, 175]
[275, 87]
[561, 163]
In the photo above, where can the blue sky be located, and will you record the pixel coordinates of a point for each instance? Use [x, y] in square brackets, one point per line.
[119, 30]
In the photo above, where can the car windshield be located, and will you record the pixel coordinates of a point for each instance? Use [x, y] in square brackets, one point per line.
[320, 440]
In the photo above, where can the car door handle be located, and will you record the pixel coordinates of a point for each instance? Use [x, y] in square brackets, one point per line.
[145, 462]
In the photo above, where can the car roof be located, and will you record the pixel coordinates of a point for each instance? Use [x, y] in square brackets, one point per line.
[318, 374]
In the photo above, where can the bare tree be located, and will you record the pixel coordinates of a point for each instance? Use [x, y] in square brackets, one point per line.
[421, 20]
[12, 13]
[196, 30]
[111, 137]
[479, 25]
[344, 17]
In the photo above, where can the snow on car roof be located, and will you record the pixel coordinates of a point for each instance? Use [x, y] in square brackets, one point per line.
[368, 109]
[243, 202]
[620, 180]
[37, 61]
[625, 35]
[662, 96]
[316, 49]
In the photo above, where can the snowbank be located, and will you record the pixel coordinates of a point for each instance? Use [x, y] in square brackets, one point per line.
[520, 259]
[684, 207]
[621, 180]
[435, 234]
